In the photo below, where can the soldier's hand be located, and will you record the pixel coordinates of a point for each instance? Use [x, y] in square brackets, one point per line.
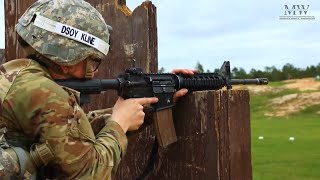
[129, 113]
[182, 92]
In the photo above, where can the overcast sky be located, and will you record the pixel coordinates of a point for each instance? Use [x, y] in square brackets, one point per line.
[248, 33]
[1, 25]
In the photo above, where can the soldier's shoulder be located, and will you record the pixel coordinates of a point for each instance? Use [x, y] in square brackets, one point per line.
[35, 82]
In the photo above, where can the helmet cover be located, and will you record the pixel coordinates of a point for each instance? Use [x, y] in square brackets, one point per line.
[65, 31]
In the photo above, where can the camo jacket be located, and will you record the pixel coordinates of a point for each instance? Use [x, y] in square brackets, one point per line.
[35, 109]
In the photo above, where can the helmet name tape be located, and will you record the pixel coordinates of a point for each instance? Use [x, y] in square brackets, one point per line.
[71, 33]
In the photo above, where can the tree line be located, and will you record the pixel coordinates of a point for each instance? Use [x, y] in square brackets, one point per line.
[288, 71]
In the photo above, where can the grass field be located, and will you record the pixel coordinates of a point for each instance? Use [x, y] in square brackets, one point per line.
[277, 158]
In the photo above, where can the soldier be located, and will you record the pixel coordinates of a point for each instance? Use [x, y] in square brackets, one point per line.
[42, 122]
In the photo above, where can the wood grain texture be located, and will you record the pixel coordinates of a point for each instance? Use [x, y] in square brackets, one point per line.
[13, 10]
[213, 129]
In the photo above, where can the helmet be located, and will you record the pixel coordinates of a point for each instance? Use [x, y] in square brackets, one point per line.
[64, 31]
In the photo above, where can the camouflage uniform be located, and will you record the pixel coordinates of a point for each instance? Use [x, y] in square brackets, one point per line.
[36, 109]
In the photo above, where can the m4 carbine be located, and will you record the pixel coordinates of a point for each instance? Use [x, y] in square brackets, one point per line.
[134, 83]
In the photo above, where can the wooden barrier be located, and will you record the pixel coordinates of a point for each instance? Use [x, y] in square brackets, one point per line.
[213, 127]
[213, 132]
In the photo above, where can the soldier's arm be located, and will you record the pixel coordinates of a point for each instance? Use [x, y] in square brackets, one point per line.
[53, 115]
[98, 118]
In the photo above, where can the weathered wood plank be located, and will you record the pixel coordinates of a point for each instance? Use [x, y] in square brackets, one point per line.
[213, 139]
[221, 110]
[240, 142]
[194, 155]
[13, 11]
[134, 36]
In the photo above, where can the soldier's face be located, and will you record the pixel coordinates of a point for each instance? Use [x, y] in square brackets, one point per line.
[76, 71]
[82, 69]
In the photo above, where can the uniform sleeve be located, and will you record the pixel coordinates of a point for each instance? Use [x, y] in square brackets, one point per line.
[52, 115]
[98, 118]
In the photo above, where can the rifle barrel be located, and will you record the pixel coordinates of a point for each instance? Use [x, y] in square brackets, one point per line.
[257, 81]
[92, 86]
[107, 84]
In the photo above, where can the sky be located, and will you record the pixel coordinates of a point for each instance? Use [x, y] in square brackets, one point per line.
[249, 33]
[2, 41]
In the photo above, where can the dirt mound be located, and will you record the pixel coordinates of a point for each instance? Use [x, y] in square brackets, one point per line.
[292, 103]
[256, 89]
[302, 84]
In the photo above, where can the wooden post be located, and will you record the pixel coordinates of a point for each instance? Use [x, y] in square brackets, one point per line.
[213, 130]
[134, 36]
[13, 11]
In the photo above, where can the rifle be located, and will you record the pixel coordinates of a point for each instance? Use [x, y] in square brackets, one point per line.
[134, 83]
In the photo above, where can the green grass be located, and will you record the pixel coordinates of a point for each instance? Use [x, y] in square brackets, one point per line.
[277, 158]
[276, 84]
